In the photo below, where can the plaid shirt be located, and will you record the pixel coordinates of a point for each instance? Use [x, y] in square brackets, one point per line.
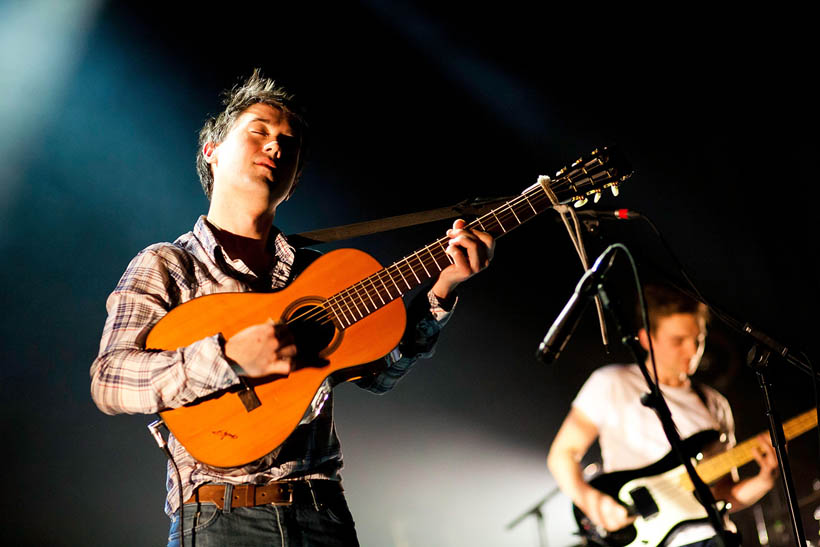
[125, 378]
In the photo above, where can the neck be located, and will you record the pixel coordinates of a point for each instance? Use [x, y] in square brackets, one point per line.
[664, 378]
[243, 236]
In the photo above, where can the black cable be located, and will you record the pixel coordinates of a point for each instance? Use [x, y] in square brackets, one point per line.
[153, 427]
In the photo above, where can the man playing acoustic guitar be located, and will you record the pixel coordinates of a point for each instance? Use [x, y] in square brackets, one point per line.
[250, 158]
[608, 407]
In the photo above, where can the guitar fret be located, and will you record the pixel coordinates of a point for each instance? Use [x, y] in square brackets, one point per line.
[483, 229]
[422, 264]
[349, 322]
[513, 212]
[412, 271]
[444, 250]
[402, 276]
[433, 257]
[361, 315]
[387, 290]
[530, 204]
[499, 222]
[375, 307]
[378, 292]
[361, 299]
[329, 306]
[394, 281]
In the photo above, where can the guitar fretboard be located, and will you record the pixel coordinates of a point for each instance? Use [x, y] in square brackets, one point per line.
[715, 467]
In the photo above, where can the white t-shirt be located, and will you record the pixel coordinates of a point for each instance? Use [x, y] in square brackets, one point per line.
[630, 434]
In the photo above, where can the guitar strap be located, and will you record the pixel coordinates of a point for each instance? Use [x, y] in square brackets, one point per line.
[697, 387]
[472, 207]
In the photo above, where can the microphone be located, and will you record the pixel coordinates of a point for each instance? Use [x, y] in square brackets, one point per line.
[618, 214]
[564, 325]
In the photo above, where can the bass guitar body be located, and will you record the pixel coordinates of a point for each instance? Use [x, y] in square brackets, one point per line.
[223, 429]
[653, 494]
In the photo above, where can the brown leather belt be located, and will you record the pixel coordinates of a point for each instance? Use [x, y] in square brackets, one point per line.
[313, 492]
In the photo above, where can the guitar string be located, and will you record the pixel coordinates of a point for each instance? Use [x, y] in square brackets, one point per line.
[506, 212]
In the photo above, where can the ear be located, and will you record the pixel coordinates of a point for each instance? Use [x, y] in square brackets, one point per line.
[643, 338]
[209, 152]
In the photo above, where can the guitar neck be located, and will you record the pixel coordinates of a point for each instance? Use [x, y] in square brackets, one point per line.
[715, 467]
[605, 168]
[394, 281]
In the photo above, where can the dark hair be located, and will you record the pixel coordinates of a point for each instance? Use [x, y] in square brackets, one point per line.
[663, 301]
[255, 89]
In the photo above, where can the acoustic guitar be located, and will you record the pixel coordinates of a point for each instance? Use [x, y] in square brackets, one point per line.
[661, 495]
[344, 310]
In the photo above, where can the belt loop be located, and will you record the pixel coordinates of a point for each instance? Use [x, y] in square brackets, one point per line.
[226, 508]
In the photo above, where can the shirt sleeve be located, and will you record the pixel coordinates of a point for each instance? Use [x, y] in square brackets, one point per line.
[127, 378]
[426, 316]
[594, 396]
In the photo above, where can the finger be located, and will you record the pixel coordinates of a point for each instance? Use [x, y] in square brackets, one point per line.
[488, 241]
[279, 367]
[283, 334]
[286, 352]
[475, 249]
[456, 253]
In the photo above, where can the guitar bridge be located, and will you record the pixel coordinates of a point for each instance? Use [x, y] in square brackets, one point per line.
[248, 396]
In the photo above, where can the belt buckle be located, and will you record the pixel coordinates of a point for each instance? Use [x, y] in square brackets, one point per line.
[285, 488]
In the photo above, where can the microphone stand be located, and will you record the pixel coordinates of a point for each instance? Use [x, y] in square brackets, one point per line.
[758, 360]
[536, 511]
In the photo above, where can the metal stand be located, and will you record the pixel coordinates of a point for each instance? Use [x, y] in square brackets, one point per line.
[758, 360]
[536, 512]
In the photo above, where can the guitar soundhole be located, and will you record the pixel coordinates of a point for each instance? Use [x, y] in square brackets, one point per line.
[314, 333]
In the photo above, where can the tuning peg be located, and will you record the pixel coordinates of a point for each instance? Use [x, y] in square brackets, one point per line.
[615, 190]
[580, 203]
[596, 197]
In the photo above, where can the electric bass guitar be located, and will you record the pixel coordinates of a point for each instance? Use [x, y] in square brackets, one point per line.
[661, 495]
[344, 310]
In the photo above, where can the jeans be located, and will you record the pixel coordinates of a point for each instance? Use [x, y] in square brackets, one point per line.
[296, 525]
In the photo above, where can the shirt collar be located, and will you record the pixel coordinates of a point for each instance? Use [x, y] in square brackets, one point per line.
[277, 244]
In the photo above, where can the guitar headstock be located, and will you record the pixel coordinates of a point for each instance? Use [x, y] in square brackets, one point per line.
[588, 177]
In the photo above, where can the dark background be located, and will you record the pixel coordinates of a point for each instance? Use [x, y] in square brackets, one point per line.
[414, 106]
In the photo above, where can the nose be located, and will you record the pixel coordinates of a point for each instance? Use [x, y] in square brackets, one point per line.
[272, 147]
[689, 347]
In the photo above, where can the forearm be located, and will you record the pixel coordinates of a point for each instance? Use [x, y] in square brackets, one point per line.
[127, 378]
[425, 318]
[744, 493]
[133, 380]
[566, 469]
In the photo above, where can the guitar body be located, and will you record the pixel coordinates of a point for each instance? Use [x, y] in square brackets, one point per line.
[655, 494]
[219, 430]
